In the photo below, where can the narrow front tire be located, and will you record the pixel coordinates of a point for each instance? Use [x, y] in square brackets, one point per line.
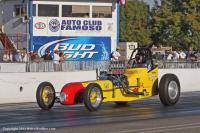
[93, 97]
[45, 95]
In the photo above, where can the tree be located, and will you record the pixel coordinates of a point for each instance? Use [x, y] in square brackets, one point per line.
[134, 23]
[176, 23]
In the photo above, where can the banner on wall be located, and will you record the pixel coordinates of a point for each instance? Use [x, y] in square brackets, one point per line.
[75, 48]
[60, 27]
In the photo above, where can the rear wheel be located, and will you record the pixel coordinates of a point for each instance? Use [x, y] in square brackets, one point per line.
[93, 97]
[45, 95]
[169, 90]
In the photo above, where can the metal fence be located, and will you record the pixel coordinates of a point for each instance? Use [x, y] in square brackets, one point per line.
[179, 65]
[69, 66]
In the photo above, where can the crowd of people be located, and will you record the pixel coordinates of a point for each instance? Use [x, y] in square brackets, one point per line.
[58, 56]
[179, 55]
[15, 56]
[23, 56]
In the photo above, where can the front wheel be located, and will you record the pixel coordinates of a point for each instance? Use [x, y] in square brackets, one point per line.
[169, 90]
[45, 95]
[93, 97]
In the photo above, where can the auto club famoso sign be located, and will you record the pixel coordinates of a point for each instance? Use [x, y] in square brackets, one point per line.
[75, 25]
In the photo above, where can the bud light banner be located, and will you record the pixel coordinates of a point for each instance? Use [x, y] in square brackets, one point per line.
[74, 48]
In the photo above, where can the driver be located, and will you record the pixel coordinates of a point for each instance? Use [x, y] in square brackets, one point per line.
[140, 61]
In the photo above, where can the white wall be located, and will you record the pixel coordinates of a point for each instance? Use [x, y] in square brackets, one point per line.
[10, 83]
[13, 67]
[189, 78]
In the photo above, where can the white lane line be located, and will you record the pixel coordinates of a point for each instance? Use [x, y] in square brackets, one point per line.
[147, 130]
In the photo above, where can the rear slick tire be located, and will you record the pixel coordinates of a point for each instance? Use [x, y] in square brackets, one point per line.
[169, 90]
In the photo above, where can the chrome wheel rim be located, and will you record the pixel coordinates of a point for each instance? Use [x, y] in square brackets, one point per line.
[173, 90]
[95, 97]
[47, 95]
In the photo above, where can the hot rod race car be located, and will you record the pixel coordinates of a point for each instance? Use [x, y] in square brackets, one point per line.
[121, 83]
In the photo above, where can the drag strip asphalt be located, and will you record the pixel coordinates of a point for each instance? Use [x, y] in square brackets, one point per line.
[144, 116]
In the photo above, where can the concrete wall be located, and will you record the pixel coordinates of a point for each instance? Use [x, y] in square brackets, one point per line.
[12, 67]
[10, 83]
[189, 78]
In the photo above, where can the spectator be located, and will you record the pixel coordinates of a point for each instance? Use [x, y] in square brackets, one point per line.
[166, 54]
[175, 56]
[116, 55]
[47, 56]
[17, 56]
[35, 57]
[182, 55]
[198, 53]
[24, 55]
[11, 56]
[170, 56]
[30, 54]
[193, 57]
[61, 60]
[61, 57]
[56, 59]
[190, 53]
[7, 57]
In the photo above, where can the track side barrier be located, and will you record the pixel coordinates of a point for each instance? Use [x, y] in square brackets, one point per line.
[21, 87]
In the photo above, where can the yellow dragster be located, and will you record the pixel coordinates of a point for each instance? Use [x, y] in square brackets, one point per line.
[122, 83]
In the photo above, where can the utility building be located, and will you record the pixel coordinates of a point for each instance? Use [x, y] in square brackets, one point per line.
[83, 29]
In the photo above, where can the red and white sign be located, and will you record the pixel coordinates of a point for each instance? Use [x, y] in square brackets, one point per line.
[122, 2]
[40, 25]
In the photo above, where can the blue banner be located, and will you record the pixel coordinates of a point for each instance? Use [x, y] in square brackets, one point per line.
[75, 48]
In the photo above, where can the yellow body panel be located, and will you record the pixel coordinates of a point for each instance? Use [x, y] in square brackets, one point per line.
[147, 81]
